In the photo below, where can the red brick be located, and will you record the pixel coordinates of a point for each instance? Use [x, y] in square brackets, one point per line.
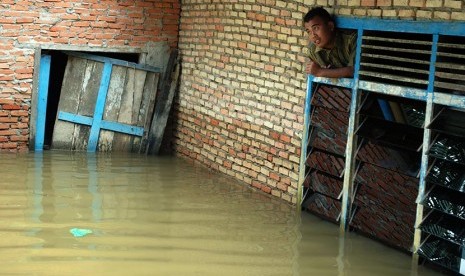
[274, 135]
[285, 138]
[7, 101]
[7, 132]
[15, 138]
[8, 119]
[384, 3]
[256, 184]
[19, 126]
[8, 145]
[368, 3]
[274, 176]
[11, 107]
[266, 189]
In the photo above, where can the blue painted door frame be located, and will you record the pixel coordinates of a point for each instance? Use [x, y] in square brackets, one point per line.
[44, 77]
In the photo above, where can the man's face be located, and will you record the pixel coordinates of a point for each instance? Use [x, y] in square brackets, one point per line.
[319, 32]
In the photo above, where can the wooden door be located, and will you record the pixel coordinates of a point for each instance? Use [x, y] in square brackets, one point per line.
[105, 104]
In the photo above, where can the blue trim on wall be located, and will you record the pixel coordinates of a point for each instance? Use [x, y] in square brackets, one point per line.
[358, 55]
[44, 77]
[405, 26]
[405, 92]
[341, 82]
[308, 109]
[432, 65]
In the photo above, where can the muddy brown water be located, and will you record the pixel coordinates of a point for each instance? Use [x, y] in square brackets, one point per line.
[164, 216]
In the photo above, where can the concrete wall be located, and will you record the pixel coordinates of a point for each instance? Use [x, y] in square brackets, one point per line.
[240, 109]
[116, 25]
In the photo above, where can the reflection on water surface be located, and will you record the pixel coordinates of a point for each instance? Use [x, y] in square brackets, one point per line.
[163, 216]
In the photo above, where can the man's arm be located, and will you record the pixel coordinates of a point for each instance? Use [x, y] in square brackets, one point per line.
[343, 72]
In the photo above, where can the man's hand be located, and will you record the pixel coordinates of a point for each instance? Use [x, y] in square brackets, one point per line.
[312, 68]
[316, 70]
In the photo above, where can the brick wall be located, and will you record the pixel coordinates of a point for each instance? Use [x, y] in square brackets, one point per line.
[240, 108]
[25, 25]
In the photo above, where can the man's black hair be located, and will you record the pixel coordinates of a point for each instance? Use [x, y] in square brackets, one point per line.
[318, 11]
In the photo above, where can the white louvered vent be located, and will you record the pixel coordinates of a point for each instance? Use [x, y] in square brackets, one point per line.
[450, 65]
[396, 58]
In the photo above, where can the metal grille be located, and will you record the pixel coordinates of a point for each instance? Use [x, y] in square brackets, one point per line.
[396, 58]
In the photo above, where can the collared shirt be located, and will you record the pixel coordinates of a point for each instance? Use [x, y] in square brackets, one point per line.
[341, 55]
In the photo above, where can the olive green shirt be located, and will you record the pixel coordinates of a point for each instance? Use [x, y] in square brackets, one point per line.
[342, 55]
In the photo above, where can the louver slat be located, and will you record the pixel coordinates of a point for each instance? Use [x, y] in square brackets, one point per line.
[441, 253]
[397, 68]
[397, 40]
[396, 60]
[451, 45]
[450, 65]
[450, 68]
[405, 50]
[388, 77]
[451, 55]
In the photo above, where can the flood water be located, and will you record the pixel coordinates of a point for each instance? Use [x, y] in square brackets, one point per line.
[164, 216]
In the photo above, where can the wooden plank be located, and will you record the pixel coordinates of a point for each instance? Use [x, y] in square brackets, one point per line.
[63, 133]
[112, 106]
[130, 103]
[163, 104]
[86, 105]
[125, 112]
[140, 79]
[146, 111]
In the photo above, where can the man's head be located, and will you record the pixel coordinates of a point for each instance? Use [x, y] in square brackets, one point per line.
[320, 27]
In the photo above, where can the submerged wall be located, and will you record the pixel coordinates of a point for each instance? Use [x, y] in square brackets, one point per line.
[123, 25]
[240, 108]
